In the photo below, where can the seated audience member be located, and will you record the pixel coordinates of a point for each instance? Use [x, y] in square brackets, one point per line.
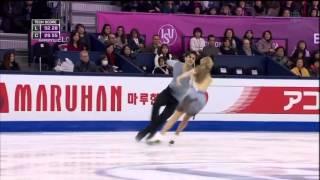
[111, 54]
[316, 56]
[85, 65]
[154, 47]
[315, 13]
[265, 45]
[9, 63]
[281, 57]
[225, 10]
[226, 48]
[212, 11]
[121, 37]
[135, 41]
[301, 51]
[286, 13]
[314, 69]
[197, 42]
[249, 35]
[246, 49]
[112, 40]
[210, 49]
[197, 10]
[74, 42]
[162, 68]
[128, 54]
[299, 69]
[239, 11]
[168, 7]
[314, 6]
[163, 52]
[84, 37]
[104, 35]
[229, 34]
[259, 9]
[273, 8]
[105, 67]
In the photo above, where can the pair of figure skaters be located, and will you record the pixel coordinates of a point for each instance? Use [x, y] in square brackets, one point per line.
[185, 95]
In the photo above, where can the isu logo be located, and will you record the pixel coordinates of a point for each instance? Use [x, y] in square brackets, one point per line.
[168, 34]
[4, 103]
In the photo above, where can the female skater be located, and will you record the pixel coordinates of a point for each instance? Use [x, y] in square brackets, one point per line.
[195, 98]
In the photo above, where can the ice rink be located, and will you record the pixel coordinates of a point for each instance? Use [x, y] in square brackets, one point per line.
[196, 155]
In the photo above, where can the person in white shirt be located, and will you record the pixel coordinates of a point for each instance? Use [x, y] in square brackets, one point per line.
[197, 42]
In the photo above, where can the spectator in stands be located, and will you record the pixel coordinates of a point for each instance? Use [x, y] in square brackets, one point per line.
[281, 57]
[197, 42]
[314, 13]
[135, 41]
[244, 6]
[273, 8]
[156, 44]
[314, 5]
[225, 10]
[249, 35]
[212, 11]
[163, 52]
[85, 65]
[185, 7]
[121, 37]
[226, 48]
[127, 53]
[162, 68]
[291, 6]
[104, 35]
[246, 49]
[74, 42]
[316, 56]
[168, 7]
[210, 49]
[239, 11]
[300, 51]
[265, 45]
[110, 54]
[229, 34]
[105, 67]
[84, 37]
[299, 69]
[12, 19]
[150, 7]
[197, 11]
[113, 40]
[286, 13]
[314, 69]
[9, 63]
[259, 9]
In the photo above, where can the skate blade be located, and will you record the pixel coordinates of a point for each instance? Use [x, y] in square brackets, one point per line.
[153, 142]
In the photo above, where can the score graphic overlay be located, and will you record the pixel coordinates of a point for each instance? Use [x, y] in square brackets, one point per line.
[46, 29]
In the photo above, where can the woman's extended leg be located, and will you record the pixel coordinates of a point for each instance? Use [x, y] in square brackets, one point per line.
[183, 124]
[171, 121]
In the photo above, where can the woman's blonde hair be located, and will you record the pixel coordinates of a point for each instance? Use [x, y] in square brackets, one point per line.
[204, 69]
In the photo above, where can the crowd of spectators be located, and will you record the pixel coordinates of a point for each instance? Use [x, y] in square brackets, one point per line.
[16, 15]
[227, 7]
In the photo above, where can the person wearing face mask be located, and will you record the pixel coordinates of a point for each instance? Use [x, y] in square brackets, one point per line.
[106, 67]
[9, 62]
[170, 96]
